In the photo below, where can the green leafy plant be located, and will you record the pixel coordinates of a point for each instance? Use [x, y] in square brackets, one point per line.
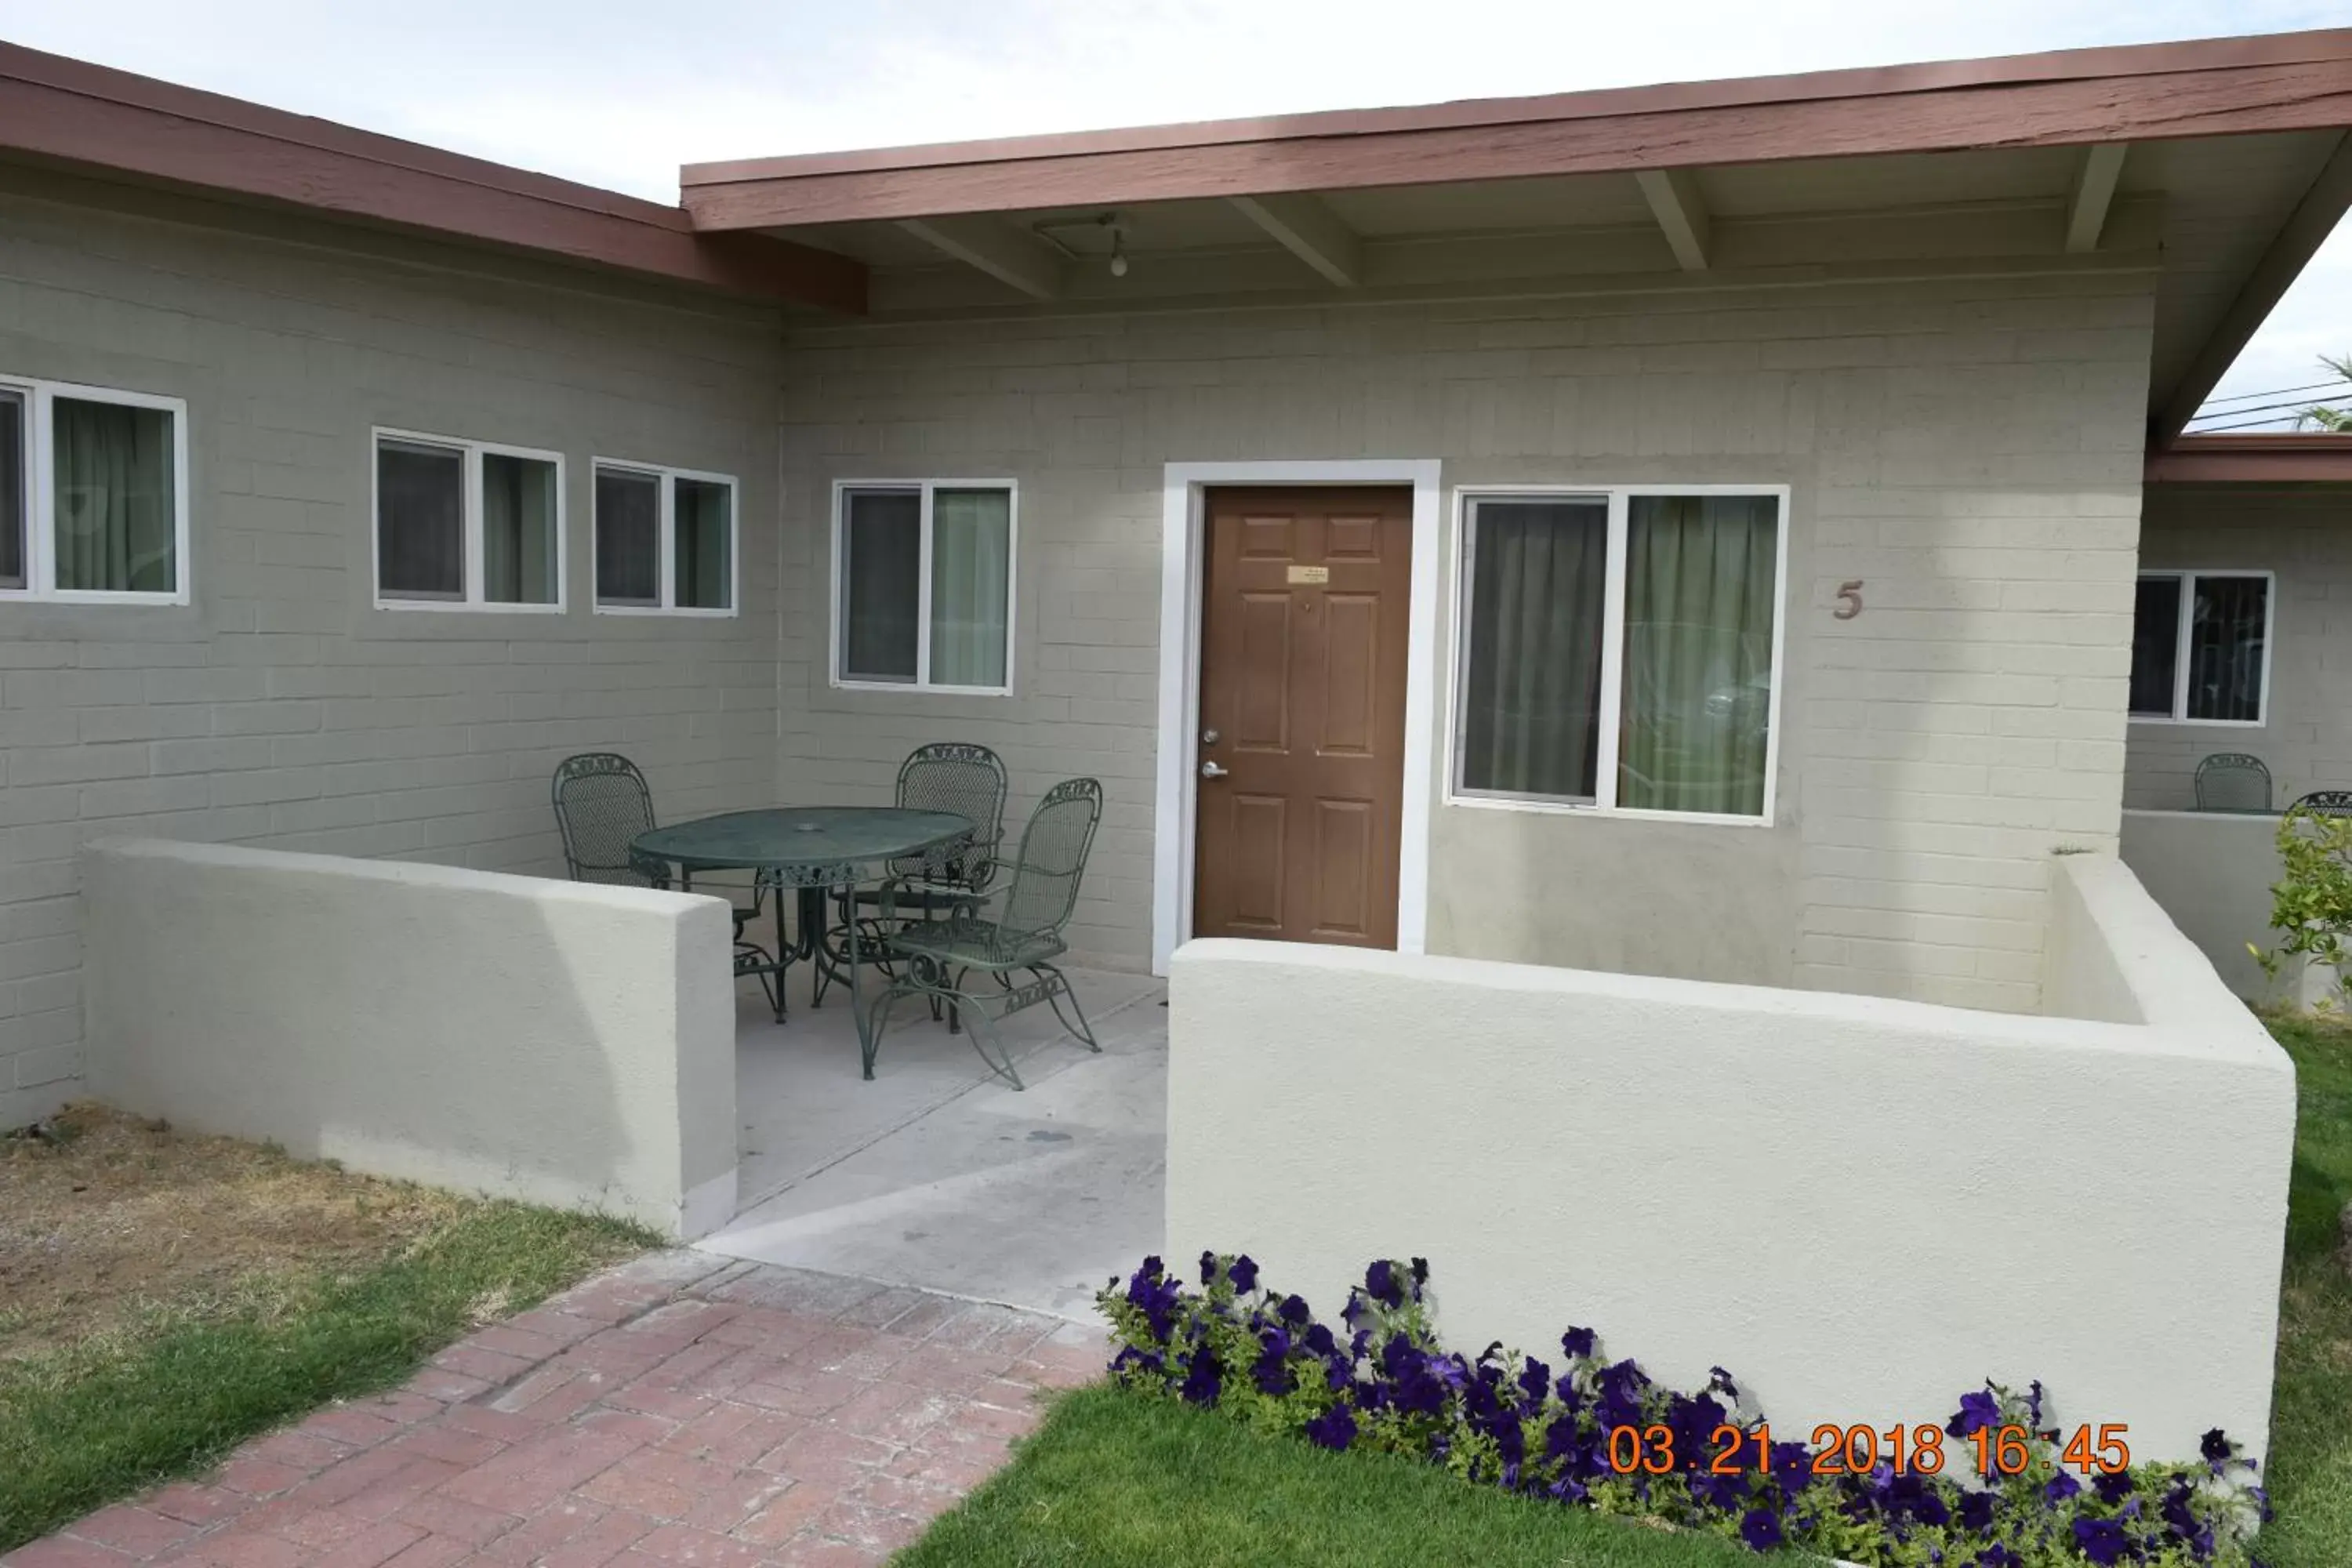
[2321, 415]
[2311, 906]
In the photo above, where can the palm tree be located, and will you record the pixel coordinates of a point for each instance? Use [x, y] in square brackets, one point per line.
[2321, 414]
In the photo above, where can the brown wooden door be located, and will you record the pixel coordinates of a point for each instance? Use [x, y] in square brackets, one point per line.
[1302, 685]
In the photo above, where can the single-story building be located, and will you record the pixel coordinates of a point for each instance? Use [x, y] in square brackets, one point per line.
[1728, 543]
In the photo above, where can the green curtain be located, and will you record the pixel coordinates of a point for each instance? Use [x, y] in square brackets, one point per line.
[971, 559]
[704, 549]
[1531, 693]
[518, 530]
[114, 501]
[1699, 608]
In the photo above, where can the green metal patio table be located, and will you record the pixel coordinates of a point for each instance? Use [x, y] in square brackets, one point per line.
[812, 849]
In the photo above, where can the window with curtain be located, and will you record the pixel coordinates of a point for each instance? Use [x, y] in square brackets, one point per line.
[703, 549]
[518, 514]
[646, 516]
[926, 585]
[1684, 725]
[1531, 681]
[15, 489]
[2200, 647]
[90, 502]
[628, 538]
[464, 525]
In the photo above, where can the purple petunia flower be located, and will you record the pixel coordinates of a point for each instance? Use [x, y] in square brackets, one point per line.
[2033, 1402]
[1793, 1466]
[1760, 1528]
[1201, 1384]
[1318, 1339]
[1335, 1428]
[1976, 1511]
[1244, 1273]
[2217, 1449]
[1420, 1276]
[2113, 1487]
[1294, 1312]
[1534, 1378]
[1978, 1413]
[1577, 1344]
[2102, 1540]
[2061, 1486]
[1208, 1269]
[1380, 1284]
[1997, 1556]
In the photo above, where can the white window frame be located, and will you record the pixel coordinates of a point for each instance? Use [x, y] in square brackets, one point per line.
[41, 492]
[839, 624]
[2186, 577]
[470, 499]
[1618, 498]
[665, 539]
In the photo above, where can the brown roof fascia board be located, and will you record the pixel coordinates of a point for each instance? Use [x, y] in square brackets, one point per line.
[2226, 86]
[71, 112]
[2281, 458]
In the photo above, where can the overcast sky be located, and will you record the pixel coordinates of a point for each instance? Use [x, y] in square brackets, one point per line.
[621, 94]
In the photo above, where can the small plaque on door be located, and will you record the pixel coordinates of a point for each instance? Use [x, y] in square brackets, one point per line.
[1310, 574]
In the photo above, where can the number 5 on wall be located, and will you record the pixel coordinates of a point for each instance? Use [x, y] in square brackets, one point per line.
[1849, 597]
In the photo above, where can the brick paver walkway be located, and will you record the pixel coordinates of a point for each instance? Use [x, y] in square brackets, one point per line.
[680, 1409]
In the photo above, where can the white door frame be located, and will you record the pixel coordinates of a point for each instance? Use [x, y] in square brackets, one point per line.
[1183, 540]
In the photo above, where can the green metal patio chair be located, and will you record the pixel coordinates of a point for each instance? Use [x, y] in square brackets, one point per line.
[938, 957]
[602, 803]
[2233, 781]
[953, 776]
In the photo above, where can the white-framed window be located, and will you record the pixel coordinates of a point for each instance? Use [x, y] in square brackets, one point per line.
[665, 541]
[93, 494]
[2201, 647]
[1619, 649]
[467, 525]
[923, 574]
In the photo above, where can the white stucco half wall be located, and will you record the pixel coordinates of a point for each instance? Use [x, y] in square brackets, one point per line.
[550, 1041]
[1863, 1207]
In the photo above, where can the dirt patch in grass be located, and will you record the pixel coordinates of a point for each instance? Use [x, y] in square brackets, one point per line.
[108, 1219]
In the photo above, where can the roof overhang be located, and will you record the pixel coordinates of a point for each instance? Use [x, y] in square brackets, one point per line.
[2071, 98]
[2284, 458]
[65, 111]
[2219, 165]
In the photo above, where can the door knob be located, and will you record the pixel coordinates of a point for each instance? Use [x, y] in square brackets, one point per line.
[1213, 770]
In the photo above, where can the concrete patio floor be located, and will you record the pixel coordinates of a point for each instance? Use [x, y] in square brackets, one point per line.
[939, 1175]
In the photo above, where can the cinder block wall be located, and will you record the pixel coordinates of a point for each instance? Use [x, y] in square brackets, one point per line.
[281, 707]
[2305, 537]
[1970, 449]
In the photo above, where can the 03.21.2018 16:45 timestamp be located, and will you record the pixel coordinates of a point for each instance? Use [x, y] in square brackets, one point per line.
[1910, 1450]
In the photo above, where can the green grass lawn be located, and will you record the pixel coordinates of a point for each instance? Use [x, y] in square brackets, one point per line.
[120, 1374]
[2311, 1409]
[1113, 1478]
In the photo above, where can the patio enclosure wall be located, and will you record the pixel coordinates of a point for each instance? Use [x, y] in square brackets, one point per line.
[1968, 449]
[281, 706]
[546, 1040]
[1863, 1208]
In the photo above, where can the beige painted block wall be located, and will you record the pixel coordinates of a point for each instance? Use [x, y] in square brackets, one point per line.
[281, 707]
[2305, 536]
[1970, 449]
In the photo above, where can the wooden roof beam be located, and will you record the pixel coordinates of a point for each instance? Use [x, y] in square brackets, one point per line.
[2094, 193]
[1014, 258]
[1681, 211]
[1307, 228]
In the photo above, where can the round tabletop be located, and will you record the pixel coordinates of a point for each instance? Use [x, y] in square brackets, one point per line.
[807, 846]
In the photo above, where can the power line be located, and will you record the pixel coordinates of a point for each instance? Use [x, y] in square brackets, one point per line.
[2255, 408]
[2248, 424]
[2279, 391]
